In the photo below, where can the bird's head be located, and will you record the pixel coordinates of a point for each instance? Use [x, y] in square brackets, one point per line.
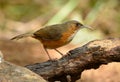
[76, 24]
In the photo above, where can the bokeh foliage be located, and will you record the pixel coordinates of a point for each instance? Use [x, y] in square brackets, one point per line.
[102, 15]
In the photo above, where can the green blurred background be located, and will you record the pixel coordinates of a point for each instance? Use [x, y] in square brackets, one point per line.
[21, 16]
[102, 15]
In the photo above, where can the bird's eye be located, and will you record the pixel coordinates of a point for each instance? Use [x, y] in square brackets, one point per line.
[78, 24]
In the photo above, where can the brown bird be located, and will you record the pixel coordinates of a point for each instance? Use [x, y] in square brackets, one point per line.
[55, 36]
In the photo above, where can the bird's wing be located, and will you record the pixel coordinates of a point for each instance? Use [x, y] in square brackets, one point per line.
[49, 33]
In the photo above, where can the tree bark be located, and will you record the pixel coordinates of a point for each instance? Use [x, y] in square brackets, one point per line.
[70, 67]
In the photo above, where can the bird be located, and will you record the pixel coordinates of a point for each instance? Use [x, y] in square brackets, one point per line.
[55, 36]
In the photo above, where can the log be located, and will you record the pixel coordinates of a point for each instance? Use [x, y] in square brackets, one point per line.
[70, 67]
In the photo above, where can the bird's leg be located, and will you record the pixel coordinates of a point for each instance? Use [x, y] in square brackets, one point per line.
[58, 52]
[47, 53]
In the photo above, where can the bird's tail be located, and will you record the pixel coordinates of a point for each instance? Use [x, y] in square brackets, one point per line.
[22, 36]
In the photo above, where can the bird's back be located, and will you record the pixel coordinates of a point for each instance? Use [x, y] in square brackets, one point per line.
[53, 32]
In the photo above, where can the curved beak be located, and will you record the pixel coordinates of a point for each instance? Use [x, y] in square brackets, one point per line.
[86, 26]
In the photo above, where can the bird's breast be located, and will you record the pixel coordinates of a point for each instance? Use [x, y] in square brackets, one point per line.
[66, 37]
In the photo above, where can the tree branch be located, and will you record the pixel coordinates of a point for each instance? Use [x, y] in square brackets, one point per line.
[70, 67]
